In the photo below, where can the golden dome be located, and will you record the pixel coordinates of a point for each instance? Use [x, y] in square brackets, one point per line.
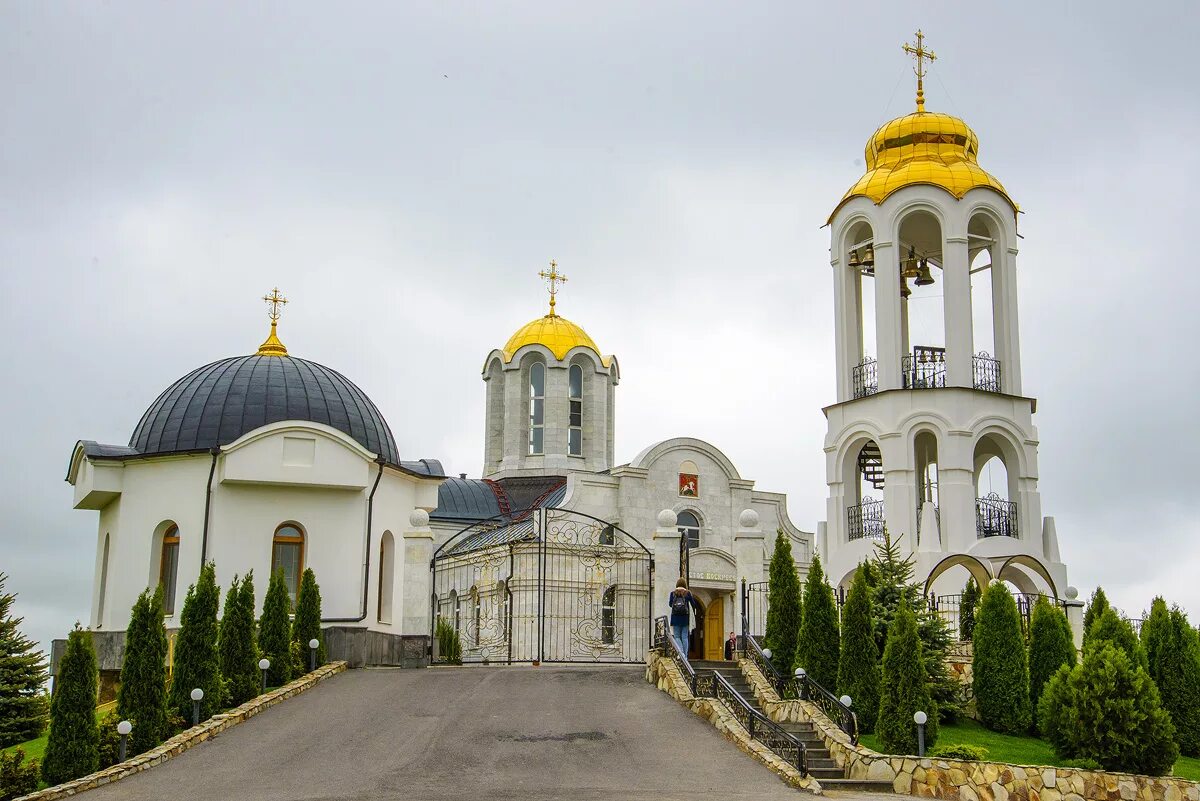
[922, 148]
[558, 334]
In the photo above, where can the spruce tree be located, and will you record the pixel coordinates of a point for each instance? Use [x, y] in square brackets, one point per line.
[1050, 647]
[967, 605]
[904, 690]
[818, 647]
[22, 676]
[72, 747]
[142, 698]
[274, 630]
[1001, 670]
[196, 662]
[1155, 630]
[858, 668]
[1178, 680]
[783, 606]
[307, 623]
[1112, 628]
[1096, 607]
[235, 646]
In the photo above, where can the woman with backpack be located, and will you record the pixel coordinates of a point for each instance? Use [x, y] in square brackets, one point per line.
[682, 602]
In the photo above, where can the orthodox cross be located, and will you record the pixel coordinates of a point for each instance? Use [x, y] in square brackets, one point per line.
[272, 346]
[920, 54]
[554, 278]
[274, 300]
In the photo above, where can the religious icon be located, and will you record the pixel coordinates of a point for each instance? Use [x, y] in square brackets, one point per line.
[689, 485]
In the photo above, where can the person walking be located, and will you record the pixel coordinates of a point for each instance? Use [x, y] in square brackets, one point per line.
[682, 602]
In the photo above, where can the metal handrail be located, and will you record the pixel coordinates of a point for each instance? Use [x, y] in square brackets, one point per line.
[806, 690]
[664, 641]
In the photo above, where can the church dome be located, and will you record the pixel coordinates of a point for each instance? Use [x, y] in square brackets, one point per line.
[215, 404]
[556, 333]
[922, 148]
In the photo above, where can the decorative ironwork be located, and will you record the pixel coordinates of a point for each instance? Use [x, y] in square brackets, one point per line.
[806, 690]
[754, 608]
[995, 517]
[865, 377]
[987, 373]
[925, 368]
[865, 520]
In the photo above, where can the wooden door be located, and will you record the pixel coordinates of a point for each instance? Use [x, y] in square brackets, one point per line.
[714, 629]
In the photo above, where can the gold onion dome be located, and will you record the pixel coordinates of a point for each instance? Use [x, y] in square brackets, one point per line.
[558, 334]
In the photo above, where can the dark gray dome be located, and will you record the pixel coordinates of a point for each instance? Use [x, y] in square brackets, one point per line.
[215, 404]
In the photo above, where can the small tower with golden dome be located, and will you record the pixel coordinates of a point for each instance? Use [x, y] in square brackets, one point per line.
[932, 438]
[550, 394]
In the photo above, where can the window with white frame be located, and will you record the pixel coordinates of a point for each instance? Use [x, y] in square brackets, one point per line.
[537, 408]
[575, 392]
[689, 528]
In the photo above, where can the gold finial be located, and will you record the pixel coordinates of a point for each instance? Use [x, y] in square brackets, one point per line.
[554, 278]
[920, 53]
[272, 346]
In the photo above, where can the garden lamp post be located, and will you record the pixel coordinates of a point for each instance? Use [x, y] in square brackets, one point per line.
[802, 684]
[264, 665]
[920, 718]
[123, 729]
[197, 697]
[846, 713]
[313, 645]
[767, 653]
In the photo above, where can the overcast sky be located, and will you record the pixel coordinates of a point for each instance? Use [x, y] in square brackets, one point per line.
[402, 171]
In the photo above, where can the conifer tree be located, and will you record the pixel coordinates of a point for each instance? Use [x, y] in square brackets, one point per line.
[274, 634]
[1178, 680]
[1112, 628]
[1050, 647]
[858, 668]
[72, 749]
[307, 623]
[904, 691]
[784, 607]
[1155, 630]
[22, 676]
[967, 605]
[1000, 666]
[818, 647]
[142, 698]
[1096, 607]
[235, 646]
[196, 662]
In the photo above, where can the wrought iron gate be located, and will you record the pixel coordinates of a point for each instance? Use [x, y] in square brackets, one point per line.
[754, 608]
[551, 586]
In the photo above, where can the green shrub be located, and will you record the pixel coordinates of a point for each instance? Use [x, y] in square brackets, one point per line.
[1155, 630]
[1107, 708]
[970, 753]
[858, 669]
[1111, 627]
[1096, 607]
[1178, 680]
[449, 645]
[142, 697]
[1001, 671]
[784, 606]
[196, 660]
[968, 603]
[818, 647]
[109, 740]
[904, 690]
[235, 646]
[73, 740]
[274, 636]
[22, 676]
[307, 624]
[1050, 647]
[17, 777]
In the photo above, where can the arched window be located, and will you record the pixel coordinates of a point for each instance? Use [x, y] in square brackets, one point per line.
[608, 616]
[575, 433]
[476, 614]
[456, 610]
[103, 584]
[387, 559]
[689, 528]
[168, 567]
[537, 407]
[287, 552]
[503, 607]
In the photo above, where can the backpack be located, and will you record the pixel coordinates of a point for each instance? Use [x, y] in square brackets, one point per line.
[679, 604]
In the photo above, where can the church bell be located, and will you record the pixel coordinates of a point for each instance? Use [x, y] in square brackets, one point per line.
[854, 262]
[910, 265]
[868, 259]
[924, 277]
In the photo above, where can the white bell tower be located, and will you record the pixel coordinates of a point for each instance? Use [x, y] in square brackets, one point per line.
[932, 435]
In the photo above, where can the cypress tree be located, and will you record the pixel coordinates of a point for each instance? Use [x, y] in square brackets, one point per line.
[235, 646]
[967, 605]
[307, 623]
[858, 668]
[1112, 628]
[783, 606]
[1096, 607]
[904, 689]
[1178, 680]
[274, 635]
[196, 662]
[818, 647]
[1001, 670]
[1050, 647]
[72, 749]
[1155, 630]
[22, 676]
[142, 698]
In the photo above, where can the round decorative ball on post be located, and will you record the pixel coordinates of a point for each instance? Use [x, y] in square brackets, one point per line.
[748, 518]
[264, 665]
[418, 518]
[313, 645]
[123, 729]
[667, 518]
[846, 701]
[197, 696]
[1072, 593]
[920, 718]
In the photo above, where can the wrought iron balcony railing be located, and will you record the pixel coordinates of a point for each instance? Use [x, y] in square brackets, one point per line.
[987, 373]
[924, 368]
[865, 377]
[865, 520]
[995, 517]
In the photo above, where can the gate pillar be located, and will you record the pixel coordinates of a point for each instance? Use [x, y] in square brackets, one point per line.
[748, 553]
[666, 562]
[418, 578]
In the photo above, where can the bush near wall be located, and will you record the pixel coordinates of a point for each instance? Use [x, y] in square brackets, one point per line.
[1000, 670]
[784, 606]
[858, 669]
[818, 646]
[904, 690]
[1051, 645]
[71, 749]
[142, 698]
[196, 661]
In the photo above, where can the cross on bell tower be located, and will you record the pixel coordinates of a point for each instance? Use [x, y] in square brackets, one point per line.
[920, 54]
[272, 346]
[553, 278]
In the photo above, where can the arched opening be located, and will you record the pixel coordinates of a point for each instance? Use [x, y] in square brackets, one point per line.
[103, 583]
[387, 567]
[608, 616]
[537, 408]
[989, 319]
[287, 553]
[575, 398]
[925, 452]
[995, 489]
[863, 346]
[476, 615]
[455, 611]
[922, 309]
[168, 565]
[503, 606]
[864, 505]
[688, 523]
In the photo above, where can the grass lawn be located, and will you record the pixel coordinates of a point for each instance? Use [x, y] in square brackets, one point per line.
[36, 749]
[1017, 750]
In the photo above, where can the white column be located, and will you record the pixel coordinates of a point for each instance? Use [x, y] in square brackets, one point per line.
[956, 500]
[666, 562]
[748, 542]
[417, 587]
[956, 306]
[1004, 315]
[887, 315]
[844, 319]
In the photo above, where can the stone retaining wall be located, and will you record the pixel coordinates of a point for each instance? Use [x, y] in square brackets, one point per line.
[963, 780]
[189, 738]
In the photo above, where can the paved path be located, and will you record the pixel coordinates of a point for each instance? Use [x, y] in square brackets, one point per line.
[467, 733]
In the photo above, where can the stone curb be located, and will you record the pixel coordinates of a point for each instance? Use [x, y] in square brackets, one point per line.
[187, 738]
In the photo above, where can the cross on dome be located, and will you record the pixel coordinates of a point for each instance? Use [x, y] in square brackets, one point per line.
[272, 346]
[920, 54]
[553, 278]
